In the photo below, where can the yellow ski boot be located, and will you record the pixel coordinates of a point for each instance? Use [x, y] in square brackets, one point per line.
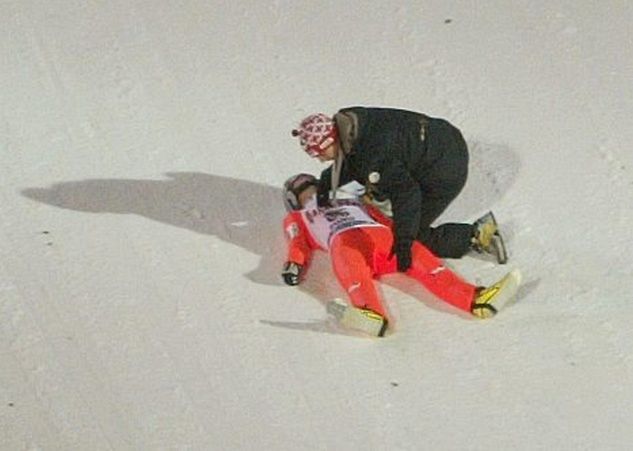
[487, 238]
[488, 301]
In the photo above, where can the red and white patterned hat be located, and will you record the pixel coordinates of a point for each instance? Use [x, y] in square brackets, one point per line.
[316, 133]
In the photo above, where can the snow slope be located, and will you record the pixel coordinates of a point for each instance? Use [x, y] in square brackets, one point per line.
[142, 146]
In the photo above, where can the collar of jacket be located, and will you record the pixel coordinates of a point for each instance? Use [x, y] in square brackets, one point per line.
[347, 127]
[336, 173]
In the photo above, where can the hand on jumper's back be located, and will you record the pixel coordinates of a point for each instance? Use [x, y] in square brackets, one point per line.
[402, 250]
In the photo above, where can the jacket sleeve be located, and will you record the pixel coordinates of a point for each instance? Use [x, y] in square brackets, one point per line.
[406, 199]
[299, 249]
[325, 180]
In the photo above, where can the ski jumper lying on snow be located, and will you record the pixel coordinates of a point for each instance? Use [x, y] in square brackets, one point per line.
[359, 239]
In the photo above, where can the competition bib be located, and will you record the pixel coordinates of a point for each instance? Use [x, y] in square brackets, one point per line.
[325, 223]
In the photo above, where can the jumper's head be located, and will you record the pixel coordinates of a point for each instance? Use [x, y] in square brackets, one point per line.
[318, 136]
[297, 189]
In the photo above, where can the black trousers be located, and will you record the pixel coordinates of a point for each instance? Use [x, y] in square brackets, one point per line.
[440, 184]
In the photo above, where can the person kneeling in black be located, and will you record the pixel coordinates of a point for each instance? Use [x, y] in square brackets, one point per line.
[418, 162]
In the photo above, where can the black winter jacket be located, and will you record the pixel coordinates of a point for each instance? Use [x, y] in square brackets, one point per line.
[388, 147]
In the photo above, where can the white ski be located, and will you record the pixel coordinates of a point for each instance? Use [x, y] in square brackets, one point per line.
[362, 320]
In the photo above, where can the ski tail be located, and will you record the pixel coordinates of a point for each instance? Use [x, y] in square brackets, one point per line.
[359, 319]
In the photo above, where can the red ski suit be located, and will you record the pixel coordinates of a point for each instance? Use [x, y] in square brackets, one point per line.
[359, 239]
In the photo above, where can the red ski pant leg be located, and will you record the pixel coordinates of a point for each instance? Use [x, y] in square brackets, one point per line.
[439, 280]
[353, 254]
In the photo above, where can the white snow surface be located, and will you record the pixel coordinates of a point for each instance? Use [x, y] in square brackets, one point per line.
[142, 147]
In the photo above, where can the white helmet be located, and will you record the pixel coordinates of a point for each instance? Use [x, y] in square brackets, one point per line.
[294, 186]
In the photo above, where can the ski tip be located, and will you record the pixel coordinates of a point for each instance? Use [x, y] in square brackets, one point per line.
[516, 275]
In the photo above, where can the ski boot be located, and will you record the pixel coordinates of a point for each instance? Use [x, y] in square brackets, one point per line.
[487, 238]
[360, 319]
[488, 301]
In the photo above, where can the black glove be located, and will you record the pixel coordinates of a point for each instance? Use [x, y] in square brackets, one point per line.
[292, 273]
[402, 250]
